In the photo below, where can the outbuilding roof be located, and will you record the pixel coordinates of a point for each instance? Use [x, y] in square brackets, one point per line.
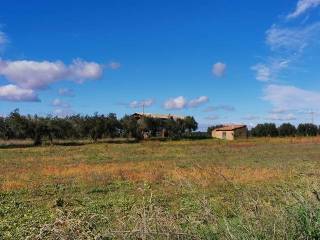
[230, 127]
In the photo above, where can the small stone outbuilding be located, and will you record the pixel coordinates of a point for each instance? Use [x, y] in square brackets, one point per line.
[231, 132]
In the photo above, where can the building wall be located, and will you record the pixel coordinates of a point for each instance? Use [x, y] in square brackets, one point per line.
[230, 135]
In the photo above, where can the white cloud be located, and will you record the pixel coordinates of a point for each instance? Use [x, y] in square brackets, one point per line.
[290, 97]
[81, 71]
[263, 72]
[38, 75]
[287, 46]
[59, 103]
[198, 101]
[270, 71]
[302, 7]
[181, 102]
[176, 103]
[219, 69]
[114, 65]
[14, 93]
[142, 103]
[66, 92]
[293, 39]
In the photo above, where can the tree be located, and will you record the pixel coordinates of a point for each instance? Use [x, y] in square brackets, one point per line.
[5, 131]
[172, 128]
[265, 130]
[307, 129]
[18, 125]
[287, 129]
[94, 127]
[97, 126]
[41, 129]
[112, 125]
[190, 124]
[130, 127]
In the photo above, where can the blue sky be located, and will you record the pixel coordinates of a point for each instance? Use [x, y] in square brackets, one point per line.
[221, 61]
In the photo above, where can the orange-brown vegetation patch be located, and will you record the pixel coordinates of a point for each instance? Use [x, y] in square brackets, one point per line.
[153, 172]
[158, 171]
[305, 140]
[147, 171]
[12, 185]
[211, 175]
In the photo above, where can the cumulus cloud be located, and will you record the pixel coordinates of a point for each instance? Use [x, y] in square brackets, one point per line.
[219, 69]
[142, 103]
[181, 102]
[302, 7]
[14, 93]
[81, 70]
[291, 97]
[198, 101]
[176, 103]
[38, 75]
[114, 65]
[67, 92]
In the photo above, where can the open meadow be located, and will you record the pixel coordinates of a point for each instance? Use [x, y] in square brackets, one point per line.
[267, 188]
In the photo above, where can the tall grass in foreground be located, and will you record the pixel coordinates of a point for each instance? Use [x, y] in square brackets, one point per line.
[249, 219]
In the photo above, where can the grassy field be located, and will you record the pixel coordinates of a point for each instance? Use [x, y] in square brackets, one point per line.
[208, 189]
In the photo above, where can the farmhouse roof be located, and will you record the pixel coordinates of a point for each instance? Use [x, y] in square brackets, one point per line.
[161, 116]
[230, 127]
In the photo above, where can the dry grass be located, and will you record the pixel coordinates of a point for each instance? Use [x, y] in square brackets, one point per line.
[153, 172]
[204, 163]
[212, 189]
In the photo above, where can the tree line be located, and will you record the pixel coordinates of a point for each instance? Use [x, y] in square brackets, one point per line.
[284, 130]
[97, 126]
